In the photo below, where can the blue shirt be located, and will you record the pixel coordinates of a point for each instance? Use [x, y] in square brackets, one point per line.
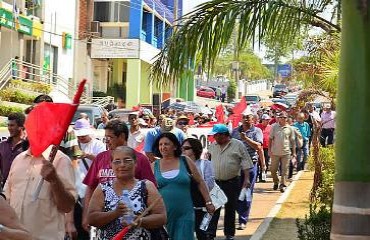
[253, 133]
[154, 133]
[304, 128]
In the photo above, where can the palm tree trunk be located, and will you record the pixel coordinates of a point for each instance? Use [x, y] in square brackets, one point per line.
[351, 208]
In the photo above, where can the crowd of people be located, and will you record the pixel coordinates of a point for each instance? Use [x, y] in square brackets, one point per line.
[158, 181]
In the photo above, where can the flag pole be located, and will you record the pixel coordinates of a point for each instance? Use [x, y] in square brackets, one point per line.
[54, 150]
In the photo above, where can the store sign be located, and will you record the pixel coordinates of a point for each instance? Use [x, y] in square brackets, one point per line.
[37, 29]
[115, 48]
[24, 25]
[6, 18]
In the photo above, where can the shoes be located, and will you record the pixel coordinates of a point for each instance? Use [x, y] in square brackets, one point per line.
[229, 238]
[282, 188]
[241, 226]
[276, 186]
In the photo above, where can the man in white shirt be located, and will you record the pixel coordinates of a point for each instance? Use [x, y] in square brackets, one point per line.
[136, 135]
[90, 147]
[328, 125]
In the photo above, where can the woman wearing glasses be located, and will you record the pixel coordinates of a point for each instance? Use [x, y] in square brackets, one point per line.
[107, 207]
[193, 149]
[174, 185]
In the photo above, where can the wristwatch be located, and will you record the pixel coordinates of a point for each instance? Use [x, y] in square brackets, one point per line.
[1, 228]
[208, 203]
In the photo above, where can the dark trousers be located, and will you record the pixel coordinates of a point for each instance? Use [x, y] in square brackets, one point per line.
[231, 189]
[204, 235]
[82, 234]
[244, 207]
[267, 159]
[327, 133]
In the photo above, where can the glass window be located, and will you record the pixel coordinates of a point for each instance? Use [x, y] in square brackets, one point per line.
[114, 11]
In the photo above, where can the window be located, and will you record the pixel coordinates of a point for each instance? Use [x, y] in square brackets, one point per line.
[113, 11]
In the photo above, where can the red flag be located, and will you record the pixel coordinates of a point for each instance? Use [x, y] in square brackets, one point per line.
[240, 106]
[48, 122]
[140, 147]
[220, 114]
[191, 119]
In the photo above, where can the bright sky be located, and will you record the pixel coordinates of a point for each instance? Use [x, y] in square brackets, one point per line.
[189, 5]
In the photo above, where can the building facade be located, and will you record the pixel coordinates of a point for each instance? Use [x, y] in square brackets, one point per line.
[124, 37]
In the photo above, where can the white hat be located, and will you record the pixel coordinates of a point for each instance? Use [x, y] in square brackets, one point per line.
[142, 122]
[82, 127]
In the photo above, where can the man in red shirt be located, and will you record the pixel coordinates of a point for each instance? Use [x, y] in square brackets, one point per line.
[266, 128]
[116, 134]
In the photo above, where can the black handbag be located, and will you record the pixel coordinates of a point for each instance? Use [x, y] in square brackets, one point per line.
[157, 233]
[198, 200]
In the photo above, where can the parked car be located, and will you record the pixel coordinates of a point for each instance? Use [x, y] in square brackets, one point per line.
[291, 98]
[121, 113]
[279, 90]
[93, 111]
[206, 92]
[252, 98]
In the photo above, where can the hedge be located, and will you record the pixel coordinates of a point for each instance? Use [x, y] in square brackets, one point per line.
[17, 96]
[6, 110]
[36, 86]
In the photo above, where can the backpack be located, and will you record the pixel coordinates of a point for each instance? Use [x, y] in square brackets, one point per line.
[298, 137]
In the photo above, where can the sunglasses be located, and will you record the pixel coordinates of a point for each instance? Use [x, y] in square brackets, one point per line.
[184, 148]
[182, 123]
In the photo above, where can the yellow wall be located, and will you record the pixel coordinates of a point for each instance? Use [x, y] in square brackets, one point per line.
[133, 85]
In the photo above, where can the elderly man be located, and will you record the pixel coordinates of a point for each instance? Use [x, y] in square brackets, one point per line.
[252, 138]
[229, 157]
[305, 130]
[14, 145]
[281, 148]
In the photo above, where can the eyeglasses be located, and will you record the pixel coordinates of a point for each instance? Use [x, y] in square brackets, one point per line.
[127, 161]
[184, 148]
[182, 123]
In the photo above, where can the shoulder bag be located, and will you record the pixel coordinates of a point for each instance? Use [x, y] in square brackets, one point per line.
[196, 196]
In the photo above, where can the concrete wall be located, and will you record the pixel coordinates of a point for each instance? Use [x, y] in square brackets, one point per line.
[9, 45]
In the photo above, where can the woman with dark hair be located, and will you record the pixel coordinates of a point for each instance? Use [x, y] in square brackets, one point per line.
[173, 182]
[193, 149]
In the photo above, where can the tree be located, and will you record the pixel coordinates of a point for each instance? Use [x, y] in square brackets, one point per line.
[207, 30]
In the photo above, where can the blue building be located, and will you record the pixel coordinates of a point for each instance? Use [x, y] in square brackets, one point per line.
[129, 34]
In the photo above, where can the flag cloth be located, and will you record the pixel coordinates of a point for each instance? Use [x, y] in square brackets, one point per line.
[48, 122]
[220, 114]
[238, 110]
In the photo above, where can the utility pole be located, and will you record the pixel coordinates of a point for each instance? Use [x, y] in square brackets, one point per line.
[176, 82]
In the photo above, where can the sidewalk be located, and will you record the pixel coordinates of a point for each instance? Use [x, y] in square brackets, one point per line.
[265, 199]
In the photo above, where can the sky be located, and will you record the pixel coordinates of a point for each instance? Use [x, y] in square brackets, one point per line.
[189, 5]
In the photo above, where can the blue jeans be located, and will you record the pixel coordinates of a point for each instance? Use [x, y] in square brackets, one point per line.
[244, 207]
[302, 155]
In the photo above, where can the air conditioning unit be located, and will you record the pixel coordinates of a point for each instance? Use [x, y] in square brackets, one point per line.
[95, 29]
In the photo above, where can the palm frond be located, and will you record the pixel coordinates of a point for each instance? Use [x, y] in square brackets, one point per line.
[208, 29]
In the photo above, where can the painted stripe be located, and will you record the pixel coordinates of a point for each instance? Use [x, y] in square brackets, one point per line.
[351, 224]
[352, 194]
[350, 210]
[347, 237]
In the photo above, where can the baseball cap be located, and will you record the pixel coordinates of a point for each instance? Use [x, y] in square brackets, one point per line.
[82, 128]
[219, 128]
[182, 117]
[282, 115]
[142, 122]
[265, 117]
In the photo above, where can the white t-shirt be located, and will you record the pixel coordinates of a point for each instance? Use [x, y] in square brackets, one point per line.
[135, 139]
[94, 147]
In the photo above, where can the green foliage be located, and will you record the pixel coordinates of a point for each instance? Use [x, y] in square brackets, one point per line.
[117, 91]
[99, 94]
[12, 95]
[325, 192]
[316, 225]
[231, 91]
[6, 110]
[251, 66]
[36, 86]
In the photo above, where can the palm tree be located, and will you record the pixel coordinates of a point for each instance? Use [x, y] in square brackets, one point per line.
[208, 29]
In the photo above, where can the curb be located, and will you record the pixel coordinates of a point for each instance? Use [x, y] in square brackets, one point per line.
[262, 229]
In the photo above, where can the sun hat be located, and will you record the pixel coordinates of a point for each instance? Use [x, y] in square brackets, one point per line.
[265, 117]
[82, 127]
